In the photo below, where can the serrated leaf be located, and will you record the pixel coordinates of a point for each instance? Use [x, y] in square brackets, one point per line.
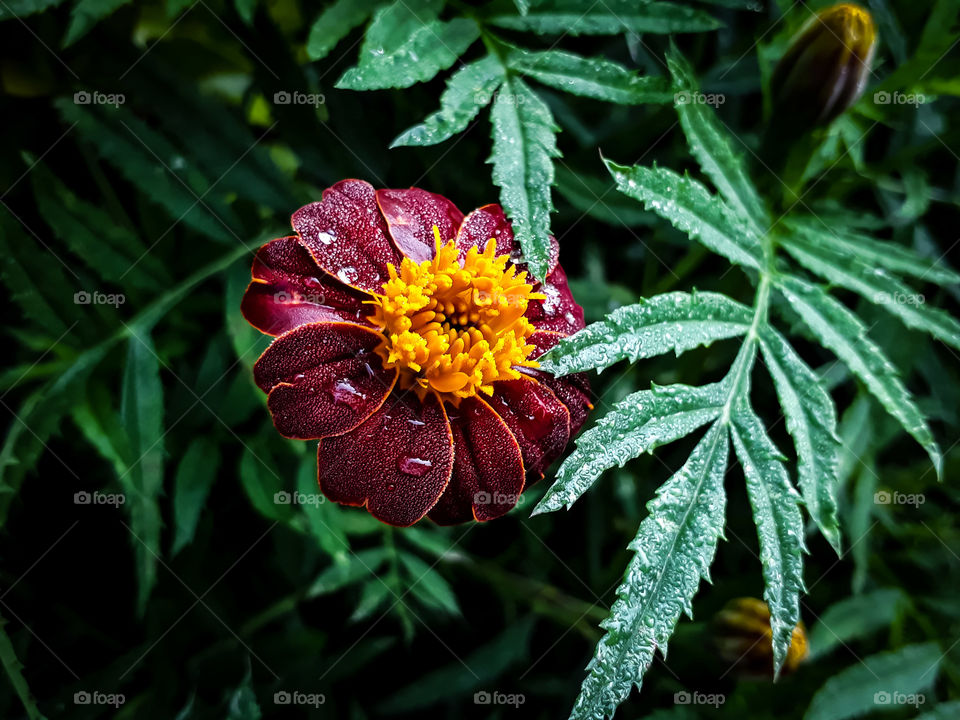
[876, 286]
[14, 671]
[263, 487]
[637, 424]
[358, 566]
[23, 8]
[468, 90]
[812, 423]
[845, 335]
[335, 23]
[943, 711]
[428, 585]
[870, 683]
[372, 596]
[711, 145]
[196, 474]
[674, 549]
[524, 143]
[592, 196]
[776, 511]
[590, 77]
[141, 407]
[675, 321]
[854, 618]
[434, 46]
[885, 254]
[611, 17]
[690, 207]
[86, 14]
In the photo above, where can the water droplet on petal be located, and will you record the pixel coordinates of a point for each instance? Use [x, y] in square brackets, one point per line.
[414, 466]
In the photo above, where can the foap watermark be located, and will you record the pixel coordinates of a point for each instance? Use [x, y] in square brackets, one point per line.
[882, 97]
[282, 497]
[885, 298]
[485, 98]
[283, 97]
[698, 98]
[98, 498]
[698, 698]
[84, 697]
[496, 498]
[896, 697]
[295, 697]
[84, 97]
[85, 297]
[484, 697]
[286, 298]
[885, 497]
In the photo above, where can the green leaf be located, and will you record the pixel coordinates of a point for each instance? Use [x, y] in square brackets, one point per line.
[14, 671]
[855, 618]
[674, 549]
[812, 423]
[611, 17]
[196, 474]
[593, 196]
[675, 321]
[690, 207]
[878, 287]
[23, 8]
[428, 585]
[524, 143]
[324, 519]
[889, 255]
[943, 711]
[242, 704]
[468, 90]
[637, 424]
[434, 46]
[335, 23]
[358, 566]
[86, 14]
[372, 597]
[264, 487]
[141, 407]
[870, 684]
[710, 143]
[590, 77]
[845, 335]
[776, 511]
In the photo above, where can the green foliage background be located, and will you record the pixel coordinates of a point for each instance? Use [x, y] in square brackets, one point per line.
[202, 597]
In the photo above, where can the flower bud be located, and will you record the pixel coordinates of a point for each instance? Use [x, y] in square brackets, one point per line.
[825, 68]
[742, 637]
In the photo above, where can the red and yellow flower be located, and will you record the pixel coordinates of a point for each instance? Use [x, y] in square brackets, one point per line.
[406, 342]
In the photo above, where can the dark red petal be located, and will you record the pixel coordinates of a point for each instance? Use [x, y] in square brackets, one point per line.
[289, 289]
[347, 235]
[411, 215]
[323, 379]
[572, 390]
[544, 340]
[538, 420]
[397, 463]
[480, 226]
[488, 470]
[559, 312]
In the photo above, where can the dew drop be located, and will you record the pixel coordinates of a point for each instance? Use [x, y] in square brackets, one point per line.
[345, 393]
[414, 466]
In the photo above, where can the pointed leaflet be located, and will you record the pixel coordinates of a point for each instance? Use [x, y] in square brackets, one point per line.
[335, 23]
[611, 17]
[468, 90]
[674, 321]
[141, 407]
[524, 143]
[196, 474]
[888, 255]
[674, 549]
[690, 207]
[86, 14]
[877, 286]
[590, 77]
[843, 333]
[637, 424]
[433, 46]
[860, 688]
[812, 423]
[710, 144]
[855, 618]
[776, 511]
[14, 671]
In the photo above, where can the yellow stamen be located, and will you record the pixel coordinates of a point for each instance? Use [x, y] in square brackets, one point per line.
[455, 327]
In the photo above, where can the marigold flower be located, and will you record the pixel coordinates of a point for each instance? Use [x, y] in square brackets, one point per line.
[406, 342]
[742, 636]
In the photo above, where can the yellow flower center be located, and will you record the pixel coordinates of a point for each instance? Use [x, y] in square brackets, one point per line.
[452, 326]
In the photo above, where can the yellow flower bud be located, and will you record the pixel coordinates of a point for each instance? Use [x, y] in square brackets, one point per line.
[825, 68]
[742, 637]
